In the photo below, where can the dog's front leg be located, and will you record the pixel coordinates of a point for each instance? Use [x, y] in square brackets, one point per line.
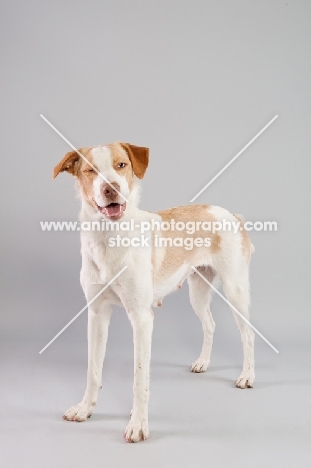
[142, 323]
[99, 313]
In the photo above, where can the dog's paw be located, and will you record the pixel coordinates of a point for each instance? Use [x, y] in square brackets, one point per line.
[246, 380]
[79, 413]
[137, 430]
[199, 366]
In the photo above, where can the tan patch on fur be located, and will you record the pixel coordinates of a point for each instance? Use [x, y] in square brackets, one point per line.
[216, 241]
[175, 257]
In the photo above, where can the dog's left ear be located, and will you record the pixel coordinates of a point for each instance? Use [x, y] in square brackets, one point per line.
[69, 163]
[139, 157]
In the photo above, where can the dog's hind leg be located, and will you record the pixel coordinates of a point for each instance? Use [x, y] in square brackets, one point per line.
[200, 296]
[237, 293]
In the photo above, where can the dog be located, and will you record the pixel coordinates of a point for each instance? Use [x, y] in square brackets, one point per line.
[109, 190]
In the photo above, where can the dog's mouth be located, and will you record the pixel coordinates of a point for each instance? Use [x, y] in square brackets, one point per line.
[113, 210]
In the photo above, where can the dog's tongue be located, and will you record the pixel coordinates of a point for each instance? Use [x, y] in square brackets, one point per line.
[112, 210]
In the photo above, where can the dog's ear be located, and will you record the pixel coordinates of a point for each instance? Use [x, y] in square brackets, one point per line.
[69, 163]
[139, 157]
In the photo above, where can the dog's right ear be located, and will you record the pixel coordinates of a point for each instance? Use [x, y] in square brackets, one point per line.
[69, 163]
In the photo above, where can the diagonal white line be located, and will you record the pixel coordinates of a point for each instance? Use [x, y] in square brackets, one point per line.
[233, 159]
[235, 310]
[82, 156]
[82, 310]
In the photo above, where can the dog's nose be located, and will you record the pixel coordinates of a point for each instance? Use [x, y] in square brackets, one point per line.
[110, 190]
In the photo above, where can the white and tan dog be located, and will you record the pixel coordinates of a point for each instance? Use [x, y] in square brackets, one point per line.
[106, 178]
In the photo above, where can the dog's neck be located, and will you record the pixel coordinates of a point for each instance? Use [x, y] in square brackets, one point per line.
[89, 213]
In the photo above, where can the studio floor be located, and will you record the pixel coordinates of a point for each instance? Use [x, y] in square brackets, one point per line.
[196, 420]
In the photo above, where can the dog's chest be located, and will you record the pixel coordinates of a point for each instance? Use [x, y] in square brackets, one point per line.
[94, 249]
[106, 261]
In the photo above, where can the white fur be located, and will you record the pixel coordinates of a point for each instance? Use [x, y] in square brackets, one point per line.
[136, 290]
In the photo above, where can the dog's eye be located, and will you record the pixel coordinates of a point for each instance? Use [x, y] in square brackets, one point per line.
[121, 165]
[89, 170]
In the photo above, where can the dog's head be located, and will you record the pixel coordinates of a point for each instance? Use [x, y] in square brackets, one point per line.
[106, 174]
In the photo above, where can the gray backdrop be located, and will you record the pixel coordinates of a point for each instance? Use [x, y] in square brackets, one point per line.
[194, 81]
